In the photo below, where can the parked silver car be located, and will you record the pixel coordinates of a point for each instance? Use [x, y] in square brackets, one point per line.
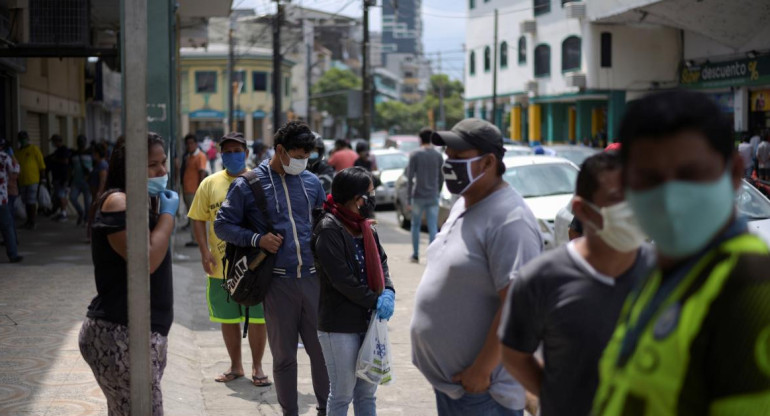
[390, 165]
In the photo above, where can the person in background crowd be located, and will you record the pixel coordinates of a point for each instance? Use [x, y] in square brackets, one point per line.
[12, 184]
[291, 304]
[355, 280]
[32, 170]
[763, 158]
[318, 166]
[208, 198]
[692, 338]
[97, 180]
[59, 164]
[568, 300]
[744, 149]
[81, 164]
[365, 159]
[193, 172]
[103, 338]
[489, 235]
[756, 138]
[120, 142]
[211, 155]
[260, 153]
[8, 167]
[343, 156]
[424, 182]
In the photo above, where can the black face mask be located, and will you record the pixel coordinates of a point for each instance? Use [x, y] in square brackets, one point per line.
[367, 210]
[458, 175]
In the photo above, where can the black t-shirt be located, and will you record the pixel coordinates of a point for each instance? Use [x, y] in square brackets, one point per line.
[59, 163]
[111, 301]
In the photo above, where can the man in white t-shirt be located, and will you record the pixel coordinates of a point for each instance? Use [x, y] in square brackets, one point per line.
[745, 150]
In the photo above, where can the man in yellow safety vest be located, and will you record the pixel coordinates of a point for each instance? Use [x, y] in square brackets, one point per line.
[694, 337]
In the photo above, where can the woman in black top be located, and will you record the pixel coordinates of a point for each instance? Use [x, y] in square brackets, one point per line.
[353, 270]
[104, 335]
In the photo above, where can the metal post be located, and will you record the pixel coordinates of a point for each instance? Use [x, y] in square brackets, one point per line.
[277, 67]
[441, 115]
[494, 76]
[308, 80]
[134, 45]
[366, 98]
[230, 77]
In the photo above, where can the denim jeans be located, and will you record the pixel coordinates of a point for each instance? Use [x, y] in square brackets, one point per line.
[8, 231]
[340, 353]
[81, 187]
[430, 206]
[481, 404]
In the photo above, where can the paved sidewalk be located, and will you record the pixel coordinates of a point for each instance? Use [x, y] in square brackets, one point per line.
[43, 301]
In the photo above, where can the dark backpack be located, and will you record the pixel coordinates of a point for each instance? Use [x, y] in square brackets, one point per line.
[249, 270]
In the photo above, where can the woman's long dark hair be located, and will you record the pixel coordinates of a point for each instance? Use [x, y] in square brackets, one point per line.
[116, 174]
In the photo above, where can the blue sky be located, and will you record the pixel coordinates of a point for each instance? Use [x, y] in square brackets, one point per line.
[443, 25]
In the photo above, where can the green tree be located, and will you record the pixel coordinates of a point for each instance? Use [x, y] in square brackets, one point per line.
[453, 100]
[333, 86]
[398, 117]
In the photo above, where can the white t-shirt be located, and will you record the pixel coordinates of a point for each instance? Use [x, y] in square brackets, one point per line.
[744, 149]
[763, 154]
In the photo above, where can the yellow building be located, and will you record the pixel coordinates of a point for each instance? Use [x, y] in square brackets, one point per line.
[203, 90]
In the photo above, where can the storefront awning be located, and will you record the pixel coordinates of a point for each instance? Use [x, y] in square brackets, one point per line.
[258, 114]
[207, 114]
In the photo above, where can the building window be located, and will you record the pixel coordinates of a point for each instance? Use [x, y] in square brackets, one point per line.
[206, 82]
[259, 79]
[472, 63]
[408, 74]
[542, 61]
[570, 54]
[522, 50]
[504, 55]
[487, 59]
[287, 86]
[541, 6]
[472, 4]
[606, 50]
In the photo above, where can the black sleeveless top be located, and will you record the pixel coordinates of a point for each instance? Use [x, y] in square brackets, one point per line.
[111, 274]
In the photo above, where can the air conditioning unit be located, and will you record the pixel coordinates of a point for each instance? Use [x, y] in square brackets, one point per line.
[528, 26]
[575, 9]
[575, 79]
[532, 87]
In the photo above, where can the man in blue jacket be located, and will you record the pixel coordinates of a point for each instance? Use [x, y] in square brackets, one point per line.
[291, 304]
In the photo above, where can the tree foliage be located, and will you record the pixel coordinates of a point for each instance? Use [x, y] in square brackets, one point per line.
[335, 82]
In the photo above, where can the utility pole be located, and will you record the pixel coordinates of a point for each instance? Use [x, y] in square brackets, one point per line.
[494, 76]
[367, 98]
[230, 77]
[134, 46]
[441, 116]
[277, 66]
[308, 35]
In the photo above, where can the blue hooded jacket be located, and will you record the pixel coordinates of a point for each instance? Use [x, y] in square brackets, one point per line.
[290, 203]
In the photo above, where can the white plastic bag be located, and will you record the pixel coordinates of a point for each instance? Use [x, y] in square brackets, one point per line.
[20, 209]
[44, 198]
[374, 359]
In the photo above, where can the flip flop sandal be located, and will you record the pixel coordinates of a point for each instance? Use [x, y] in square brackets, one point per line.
[261, 381]
[227, 377]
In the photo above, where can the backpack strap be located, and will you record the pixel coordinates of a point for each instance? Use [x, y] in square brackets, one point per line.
[252, 179]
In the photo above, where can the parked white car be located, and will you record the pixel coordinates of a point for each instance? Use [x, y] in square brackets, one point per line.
[390, 165]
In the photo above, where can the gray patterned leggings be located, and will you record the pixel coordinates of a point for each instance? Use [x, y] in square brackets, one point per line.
[104, 346]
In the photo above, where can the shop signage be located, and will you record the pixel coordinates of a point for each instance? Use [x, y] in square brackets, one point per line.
[740, 72]
[207, 114]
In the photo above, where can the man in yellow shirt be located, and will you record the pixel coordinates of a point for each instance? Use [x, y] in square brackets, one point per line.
[205, 205]
[32, 169]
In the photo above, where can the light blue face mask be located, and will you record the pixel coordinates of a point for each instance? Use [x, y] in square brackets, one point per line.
[682, 217]
[157, 185]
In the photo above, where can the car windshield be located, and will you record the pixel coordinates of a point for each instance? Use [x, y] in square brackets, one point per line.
[752, 204]
[391, 161]
[517, 151]
[576, 156]
[542, 179]
[407, 147]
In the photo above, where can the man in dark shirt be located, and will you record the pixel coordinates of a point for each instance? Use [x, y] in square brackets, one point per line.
[60, 173]
[425, 180]
[569, 299]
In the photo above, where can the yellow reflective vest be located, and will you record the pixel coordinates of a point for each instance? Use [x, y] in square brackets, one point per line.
[706, 349]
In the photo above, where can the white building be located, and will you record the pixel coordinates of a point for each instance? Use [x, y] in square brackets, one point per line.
[560, 75]
[567, 68]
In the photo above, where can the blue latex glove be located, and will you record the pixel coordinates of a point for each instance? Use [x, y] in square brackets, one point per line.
[169, 202]
[385, 304]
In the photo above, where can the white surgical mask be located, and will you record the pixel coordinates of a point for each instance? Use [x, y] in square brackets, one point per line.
[621, 231]
[295, 166]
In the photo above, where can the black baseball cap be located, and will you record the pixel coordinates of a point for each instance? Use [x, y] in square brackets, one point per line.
[232, 136]
[471, 133]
